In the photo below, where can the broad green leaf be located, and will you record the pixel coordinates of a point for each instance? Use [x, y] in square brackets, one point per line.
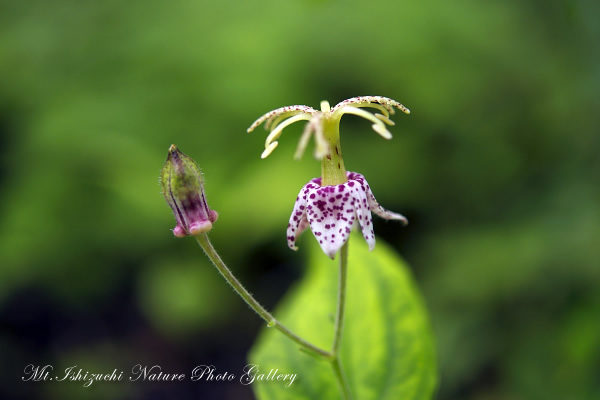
[387, 348]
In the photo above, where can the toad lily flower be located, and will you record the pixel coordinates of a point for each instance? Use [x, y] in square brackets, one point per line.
[183, 188]
[331, 211]
[336, 201]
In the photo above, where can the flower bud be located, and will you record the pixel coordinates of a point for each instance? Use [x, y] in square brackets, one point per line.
[183, 188]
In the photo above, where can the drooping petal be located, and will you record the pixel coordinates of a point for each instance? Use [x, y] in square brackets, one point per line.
[331, 212]
[382, 212]
[298, 220]
[374, 204]
[331, 216]
[361, 207]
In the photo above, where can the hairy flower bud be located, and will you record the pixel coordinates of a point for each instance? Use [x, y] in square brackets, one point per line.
[183, 188]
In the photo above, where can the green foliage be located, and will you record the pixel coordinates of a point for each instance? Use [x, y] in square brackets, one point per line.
[173, 294]
[496, 168]
[387, 349]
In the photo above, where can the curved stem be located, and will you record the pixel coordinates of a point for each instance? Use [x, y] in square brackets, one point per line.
[212, 254]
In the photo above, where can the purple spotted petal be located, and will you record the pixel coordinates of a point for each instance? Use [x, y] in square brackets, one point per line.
[331, 212]
[373, 204]
[382, 212]
[298, 221]
[331, 217]
[362, 210]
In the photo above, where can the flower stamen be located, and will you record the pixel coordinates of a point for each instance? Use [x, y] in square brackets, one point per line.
[385, 119]
[322, 146]
[277, 120]
[284, 112]
[269, 150]
[378, 125]
[277, 129]
[372, 101]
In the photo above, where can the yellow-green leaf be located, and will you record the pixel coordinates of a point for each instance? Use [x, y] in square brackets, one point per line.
[387, 349]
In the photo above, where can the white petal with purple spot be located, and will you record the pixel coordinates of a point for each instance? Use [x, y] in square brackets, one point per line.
[331, 212]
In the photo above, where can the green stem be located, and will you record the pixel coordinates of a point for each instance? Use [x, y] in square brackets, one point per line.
[341, 303]
[339, 325]
[341, 378]
[212, 254]
[333, 171]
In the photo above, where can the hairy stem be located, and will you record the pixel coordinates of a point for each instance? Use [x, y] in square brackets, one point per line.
[212, 254]
[341, 302]
[339, 325]
[341, 378]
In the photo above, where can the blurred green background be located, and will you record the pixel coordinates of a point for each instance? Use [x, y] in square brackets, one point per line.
[497, 169]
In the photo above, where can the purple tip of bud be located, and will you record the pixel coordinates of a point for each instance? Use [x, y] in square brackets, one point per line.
[183, 188]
